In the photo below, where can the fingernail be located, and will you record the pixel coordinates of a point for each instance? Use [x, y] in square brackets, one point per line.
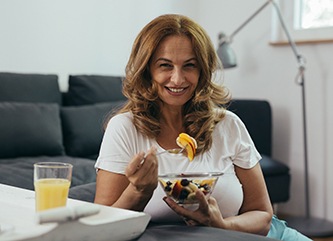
[165, 199]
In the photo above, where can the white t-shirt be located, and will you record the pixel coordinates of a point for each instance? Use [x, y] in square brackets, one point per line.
[232, 144]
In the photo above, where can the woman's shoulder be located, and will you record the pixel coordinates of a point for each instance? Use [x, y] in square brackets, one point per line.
[228, 115]
[123, 116]
[229, 120]
[121, 119]
[231, 115]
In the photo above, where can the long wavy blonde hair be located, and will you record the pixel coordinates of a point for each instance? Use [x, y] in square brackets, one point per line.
[200, 112]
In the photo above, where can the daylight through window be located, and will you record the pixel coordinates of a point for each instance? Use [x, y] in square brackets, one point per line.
[313, 14]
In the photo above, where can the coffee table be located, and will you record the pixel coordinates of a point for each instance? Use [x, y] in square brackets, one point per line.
[18, 221]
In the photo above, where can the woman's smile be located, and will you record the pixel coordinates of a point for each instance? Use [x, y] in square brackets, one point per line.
[174, 90]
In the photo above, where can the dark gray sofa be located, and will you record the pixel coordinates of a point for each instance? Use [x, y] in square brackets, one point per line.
[40, 123]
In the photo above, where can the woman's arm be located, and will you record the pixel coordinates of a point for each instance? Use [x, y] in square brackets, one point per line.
[132, 190]
[256, 211]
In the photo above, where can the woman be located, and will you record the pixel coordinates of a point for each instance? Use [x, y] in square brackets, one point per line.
[170, 90]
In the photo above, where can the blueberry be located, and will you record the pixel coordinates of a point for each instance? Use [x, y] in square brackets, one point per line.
[167, 188]
[184, 182]
[183, 194]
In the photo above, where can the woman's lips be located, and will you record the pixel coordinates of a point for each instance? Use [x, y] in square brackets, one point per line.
[176, 90]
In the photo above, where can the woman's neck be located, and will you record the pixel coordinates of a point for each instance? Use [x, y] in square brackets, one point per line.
[171, 125]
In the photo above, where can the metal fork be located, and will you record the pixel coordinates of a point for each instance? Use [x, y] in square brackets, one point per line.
[172, 151]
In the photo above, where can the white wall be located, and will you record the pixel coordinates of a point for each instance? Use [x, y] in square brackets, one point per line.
[76, 36]
[94, 37]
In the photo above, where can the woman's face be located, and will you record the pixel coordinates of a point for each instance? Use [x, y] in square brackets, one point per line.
[174, 69]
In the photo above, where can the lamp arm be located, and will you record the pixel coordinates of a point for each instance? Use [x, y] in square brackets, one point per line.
[228, 39]
[248, 20]
[299, 58]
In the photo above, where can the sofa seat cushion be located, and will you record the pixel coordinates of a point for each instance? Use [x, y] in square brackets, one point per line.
[83, 127]
[29, 129]
[18, 172]
[85, 192]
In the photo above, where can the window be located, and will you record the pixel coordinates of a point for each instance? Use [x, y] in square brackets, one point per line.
[313, 14]
[307, 21]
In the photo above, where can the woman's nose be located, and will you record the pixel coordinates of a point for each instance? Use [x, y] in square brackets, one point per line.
[177, 76]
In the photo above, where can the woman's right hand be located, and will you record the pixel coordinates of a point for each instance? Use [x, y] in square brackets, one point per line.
[142, 172]
[132, 190]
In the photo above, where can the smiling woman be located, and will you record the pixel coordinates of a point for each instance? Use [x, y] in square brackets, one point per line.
[171, 93]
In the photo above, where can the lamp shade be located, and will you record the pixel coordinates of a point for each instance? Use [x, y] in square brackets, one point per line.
[225, 53]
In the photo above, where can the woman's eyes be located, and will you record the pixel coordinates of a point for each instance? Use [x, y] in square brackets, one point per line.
[187, 65]
[166, 65]
[191, 65]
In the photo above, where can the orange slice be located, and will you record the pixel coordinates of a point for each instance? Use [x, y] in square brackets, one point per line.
[190, 144]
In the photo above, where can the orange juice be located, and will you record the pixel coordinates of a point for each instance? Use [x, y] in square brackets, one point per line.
[51, 193]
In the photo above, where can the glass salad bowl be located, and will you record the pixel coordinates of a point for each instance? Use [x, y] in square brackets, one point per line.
[183, 186]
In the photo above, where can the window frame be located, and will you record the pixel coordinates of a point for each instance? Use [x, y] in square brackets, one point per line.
[305, 36]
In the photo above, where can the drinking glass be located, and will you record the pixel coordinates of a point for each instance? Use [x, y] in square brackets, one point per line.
[52, 181]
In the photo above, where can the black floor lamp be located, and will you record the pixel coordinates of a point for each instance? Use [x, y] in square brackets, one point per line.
[312, 227]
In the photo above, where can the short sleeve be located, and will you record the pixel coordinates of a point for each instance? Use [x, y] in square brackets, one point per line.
[116, 148]
[244, 152]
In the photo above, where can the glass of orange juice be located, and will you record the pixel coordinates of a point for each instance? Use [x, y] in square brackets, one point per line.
[52, 181]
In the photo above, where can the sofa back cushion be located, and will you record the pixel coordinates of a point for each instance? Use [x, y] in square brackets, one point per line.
[83, 127]
[30, 130]
[91, 89]
[257, 117]
[29, 88]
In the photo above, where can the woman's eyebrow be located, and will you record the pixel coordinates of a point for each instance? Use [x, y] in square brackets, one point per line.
[191, 59]
[163, 59]
[168, 60]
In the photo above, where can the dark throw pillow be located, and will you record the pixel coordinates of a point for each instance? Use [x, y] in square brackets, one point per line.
[83, 127]
[29, 88]
[30, 130]
[91, 89]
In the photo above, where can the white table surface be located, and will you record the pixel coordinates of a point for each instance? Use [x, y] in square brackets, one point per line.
[18, 221]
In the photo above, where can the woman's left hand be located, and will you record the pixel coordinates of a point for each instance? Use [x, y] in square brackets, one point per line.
[207, 214]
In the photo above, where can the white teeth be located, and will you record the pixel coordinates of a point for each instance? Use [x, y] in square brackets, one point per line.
[175, 90]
